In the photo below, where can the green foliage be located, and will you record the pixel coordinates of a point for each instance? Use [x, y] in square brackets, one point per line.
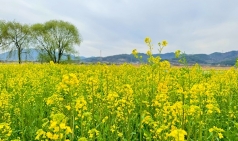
[43, 57]
[2, 24]
[68, 60]
[236, 63]
[14, 36]
[56, 38]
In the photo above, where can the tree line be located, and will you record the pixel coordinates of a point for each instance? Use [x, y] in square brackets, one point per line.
[53, 38]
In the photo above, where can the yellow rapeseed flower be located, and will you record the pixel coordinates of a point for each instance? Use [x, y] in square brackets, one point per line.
[164, 43]
[51, 62]
[68, 130]
[93, 132]
[148, 53]
[177, 53]
[178, 134]
[68, 107]
[220, 135]
[82, 139]
[62, 126]
[49, 135]
[134, 51]
[56, 129]
[39, 133]
[55, 137]
[53, 124]
[216, 129]
[120, 134]
[147, 40]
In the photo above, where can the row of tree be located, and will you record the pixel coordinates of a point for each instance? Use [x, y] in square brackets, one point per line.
[53, 38]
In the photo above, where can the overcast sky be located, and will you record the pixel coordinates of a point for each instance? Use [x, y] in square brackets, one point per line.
[119, 26]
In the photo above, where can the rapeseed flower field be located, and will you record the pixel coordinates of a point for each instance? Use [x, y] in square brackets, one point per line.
[152, 101]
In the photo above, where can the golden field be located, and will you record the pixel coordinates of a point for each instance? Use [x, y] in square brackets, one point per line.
[100, 102]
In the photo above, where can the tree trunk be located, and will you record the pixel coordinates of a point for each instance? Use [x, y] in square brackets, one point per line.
[59, 56]
[19, 55]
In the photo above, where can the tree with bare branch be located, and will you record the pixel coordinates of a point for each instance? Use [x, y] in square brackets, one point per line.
[56, 37]
[14, 36]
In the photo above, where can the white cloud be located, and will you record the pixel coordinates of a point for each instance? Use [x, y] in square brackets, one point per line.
[117, 27]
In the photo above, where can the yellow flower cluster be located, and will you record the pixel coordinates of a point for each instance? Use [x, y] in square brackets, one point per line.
[147, 40]
[178, 134]
[177, 53]
[217, 131]
[153, 101]
[5, 131]
[93, 133]
[55, 129]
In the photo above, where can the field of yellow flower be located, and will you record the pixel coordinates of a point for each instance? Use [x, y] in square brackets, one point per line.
[152, 101]
[100, 102]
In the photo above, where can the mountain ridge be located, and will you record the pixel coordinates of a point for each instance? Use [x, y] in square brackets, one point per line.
[215, 58]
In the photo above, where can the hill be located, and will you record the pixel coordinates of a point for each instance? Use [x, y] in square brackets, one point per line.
[30, 55]
[216, 58]
[122, 58]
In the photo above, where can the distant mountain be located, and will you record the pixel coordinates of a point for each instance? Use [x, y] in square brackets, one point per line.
[126, 58]
[216, 58]
[29, 55]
